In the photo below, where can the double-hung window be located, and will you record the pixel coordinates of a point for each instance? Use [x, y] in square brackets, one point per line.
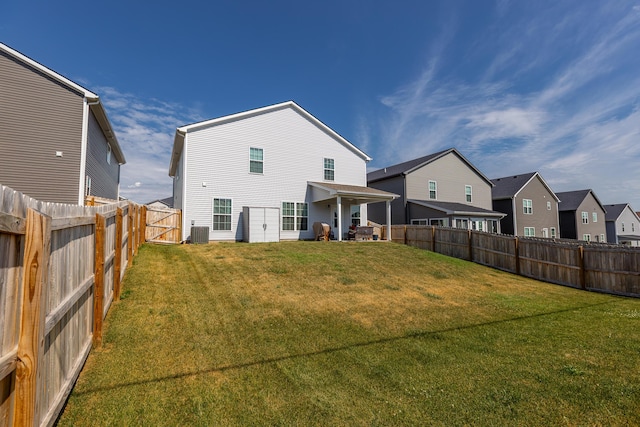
[295, 216]
[527, 206]
[529, 232]
[329, 169]
[467, 193]
[256, 160]
[221, 214]
[585, 217]
[433, 190]
[594, 216]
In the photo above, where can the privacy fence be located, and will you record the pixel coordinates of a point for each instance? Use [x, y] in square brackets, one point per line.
[60, 269]
[612, 269]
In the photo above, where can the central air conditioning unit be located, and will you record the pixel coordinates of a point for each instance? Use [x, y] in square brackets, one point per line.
[199, 234]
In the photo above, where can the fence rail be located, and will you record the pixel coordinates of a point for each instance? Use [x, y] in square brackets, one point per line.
[605, 268]
[61, 267]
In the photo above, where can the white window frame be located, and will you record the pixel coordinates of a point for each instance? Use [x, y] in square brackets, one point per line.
[217, 213]
[255, 161]
[108, 153]
[548, 206]
[602, 238]
[87, 185]
[586, 237]
[439, 222]
[527, 206]
[434, 190]
[585, 217]
[468, 193]
[355, 215]
[553, 232]
[419, 222]
[329, 169]
[294, 212]
[529, 232]
[594, 216]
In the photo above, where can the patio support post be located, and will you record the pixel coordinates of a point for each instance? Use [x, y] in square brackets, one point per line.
[339, 208]
[389, 220]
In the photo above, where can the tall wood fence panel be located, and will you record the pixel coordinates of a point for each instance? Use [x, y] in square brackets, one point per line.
[163, 225]
[60, 270]
[606, 268]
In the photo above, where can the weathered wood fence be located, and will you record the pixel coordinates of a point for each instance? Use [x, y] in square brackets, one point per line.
[163, 225]
[606, 268]
[61, 267]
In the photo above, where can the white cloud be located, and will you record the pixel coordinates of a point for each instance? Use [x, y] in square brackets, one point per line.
[145, 129]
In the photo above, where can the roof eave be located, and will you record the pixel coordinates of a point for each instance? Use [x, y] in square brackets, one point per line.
[178, 145]
[101, 116]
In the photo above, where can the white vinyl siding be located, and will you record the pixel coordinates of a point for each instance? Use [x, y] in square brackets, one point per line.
[291, 147]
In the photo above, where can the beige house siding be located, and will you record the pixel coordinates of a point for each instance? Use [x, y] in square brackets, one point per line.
[542, 217]
[39, 117]
[451, 175]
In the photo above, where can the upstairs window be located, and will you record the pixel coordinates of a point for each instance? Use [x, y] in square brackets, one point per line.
[256, 160]
[467, 193]
[108, 154]
[548, 206]
[329, 169]
[433, 190]
[585, 217]
[594, 216]
[622, 224]
[527, 206]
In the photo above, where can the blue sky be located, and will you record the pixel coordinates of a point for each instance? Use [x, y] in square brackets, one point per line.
[515, 86]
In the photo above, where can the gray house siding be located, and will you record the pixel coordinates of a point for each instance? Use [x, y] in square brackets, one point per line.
[105, 176]
[39, 117]
[543, 215]
[451, 175]
[377, 211]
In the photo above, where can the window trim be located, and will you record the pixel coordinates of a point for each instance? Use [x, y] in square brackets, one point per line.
[530, 230]
[221, 214]
[594, 216]
[586, 237]
[527, 206]
[435, 190]
[468, 195]
[253, 161]
[108, 153]
[294, 213]
[331, 169]
[553, 232]
[548, 205]
[355, 215]
[585, 217]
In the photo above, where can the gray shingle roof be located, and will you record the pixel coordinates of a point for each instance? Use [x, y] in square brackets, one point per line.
[400, 168]
[614, 211]
[507, 187]
[570, 200]
[452, 208]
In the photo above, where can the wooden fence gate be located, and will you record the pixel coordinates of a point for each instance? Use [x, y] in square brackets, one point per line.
[163, 225]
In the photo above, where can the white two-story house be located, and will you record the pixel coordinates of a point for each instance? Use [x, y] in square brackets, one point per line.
[277, 158]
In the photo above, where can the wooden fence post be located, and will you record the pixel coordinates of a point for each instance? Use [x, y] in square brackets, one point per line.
[470, 243]
[37, 250]
[136, 233]
[143, 225]
[516, 243]
[433, 238]
[98, 280]
[130, 235]
[404, 230]
[117, 259]
[583, 283]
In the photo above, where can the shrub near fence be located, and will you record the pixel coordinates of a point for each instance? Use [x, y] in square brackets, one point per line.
[597, 267]
[60, 269]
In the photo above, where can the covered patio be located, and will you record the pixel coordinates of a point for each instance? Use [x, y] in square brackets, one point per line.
[342, 195]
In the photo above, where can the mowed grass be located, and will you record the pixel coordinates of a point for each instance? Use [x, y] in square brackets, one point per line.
[315, 333]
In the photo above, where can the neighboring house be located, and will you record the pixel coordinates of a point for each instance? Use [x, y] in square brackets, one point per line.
[531, 207]
[582, 216]
[623, 225]
[278, 156]
[162, 203]
[442, 189]
[57, 142]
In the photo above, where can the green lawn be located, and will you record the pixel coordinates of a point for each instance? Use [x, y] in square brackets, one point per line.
[327, 333]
